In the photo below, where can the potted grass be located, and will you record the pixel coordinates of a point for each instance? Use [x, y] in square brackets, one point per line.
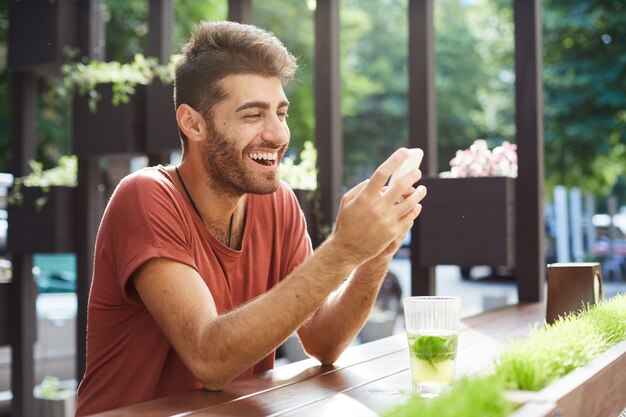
[579, 357]
[41, 209]
[121, 108]
[573, 367]
[470, 216]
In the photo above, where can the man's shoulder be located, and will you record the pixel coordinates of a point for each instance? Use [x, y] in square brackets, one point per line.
[146, 178]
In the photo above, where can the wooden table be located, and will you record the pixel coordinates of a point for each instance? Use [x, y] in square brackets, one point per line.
[367, 379]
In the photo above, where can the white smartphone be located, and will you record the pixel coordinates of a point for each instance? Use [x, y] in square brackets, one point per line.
[413, 162]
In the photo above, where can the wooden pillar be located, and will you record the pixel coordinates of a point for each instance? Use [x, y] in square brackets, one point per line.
[22, 290]
[160, 30]
[530, 253]
[240, 11]
[422, 120]
[90, 21]
[328, 135]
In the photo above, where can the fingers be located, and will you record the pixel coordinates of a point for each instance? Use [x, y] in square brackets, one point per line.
[353, 192]
[410, 203]
[384, 170]
[402, 187]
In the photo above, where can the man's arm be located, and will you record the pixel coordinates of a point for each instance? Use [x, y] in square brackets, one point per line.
[344, 312]
[217, 348]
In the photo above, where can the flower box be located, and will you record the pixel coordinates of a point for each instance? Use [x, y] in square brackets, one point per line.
[49, 229]
[161, 127]
[468, 221]
[110, 129]
[38, 33]
[595, 389]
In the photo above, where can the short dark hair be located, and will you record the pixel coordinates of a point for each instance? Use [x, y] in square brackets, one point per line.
[219, 49]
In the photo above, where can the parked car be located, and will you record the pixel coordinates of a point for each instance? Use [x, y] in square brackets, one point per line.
[611, 253]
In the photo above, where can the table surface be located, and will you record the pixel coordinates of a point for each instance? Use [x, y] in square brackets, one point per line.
[367, 379]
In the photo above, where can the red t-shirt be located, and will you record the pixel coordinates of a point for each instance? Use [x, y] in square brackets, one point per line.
[129, 359]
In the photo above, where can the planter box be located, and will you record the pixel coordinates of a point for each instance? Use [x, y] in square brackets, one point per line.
[51, 229]
[161, 128]
[38, 33]
[4, 312]
[63, 405]
[595, 389]
[306, 199]
[110, 129]
[468, 221]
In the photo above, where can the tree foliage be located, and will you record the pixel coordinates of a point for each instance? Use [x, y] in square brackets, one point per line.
[584, 79]
[585, 92]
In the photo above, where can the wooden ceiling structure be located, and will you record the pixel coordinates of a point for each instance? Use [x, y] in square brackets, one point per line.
[89, 38]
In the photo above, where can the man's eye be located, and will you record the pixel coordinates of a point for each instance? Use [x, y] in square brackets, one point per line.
[253, 116]
[283, 115]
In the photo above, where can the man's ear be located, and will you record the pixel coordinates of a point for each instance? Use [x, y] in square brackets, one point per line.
[191, 123]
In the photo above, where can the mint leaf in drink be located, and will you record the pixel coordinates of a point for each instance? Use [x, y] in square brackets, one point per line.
[434, 349]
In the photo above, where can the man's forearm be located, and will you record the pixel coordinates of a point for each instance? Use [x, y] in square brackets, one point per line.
[242, 337]
[342, 316]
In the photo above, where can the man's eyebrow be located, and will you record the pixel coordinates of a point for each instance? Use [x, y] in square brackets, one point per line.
[260, 105]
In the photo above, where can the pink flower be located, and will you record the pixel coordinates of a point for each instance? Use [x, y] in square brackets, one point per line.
[479, 161]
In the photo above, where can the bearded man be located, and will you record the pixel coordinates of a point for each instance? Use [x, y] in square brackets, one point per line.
[202, 270]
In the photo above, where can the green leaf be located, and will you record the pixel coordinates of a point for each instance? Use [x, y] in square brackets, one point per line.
[434, 349]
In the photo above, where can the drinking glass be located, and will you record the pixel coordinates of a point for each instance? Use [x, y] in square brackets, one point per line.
[432, 328]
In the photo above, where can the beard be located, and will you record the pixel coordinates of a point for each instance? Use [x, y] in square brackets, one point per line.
[227, 168]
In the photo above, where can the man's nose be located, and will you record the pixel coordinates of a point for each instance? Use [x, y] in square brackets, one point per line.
[276, 131]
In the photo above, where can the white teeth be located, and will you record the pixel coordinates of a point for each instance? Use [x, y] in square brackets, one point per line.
[266, 156]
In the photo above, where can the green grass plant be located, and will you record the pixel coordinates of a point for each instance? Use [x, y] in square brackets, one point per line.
[468, 397]
[552, 352]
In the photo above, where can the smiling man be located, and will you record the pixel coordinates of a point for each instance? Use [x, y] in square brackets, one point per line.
[202, 270]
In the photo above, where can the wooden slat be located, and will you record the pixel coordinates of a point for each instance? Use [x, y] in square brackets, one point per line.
[422, 119]
[22, 290]
[596, 389]
[529, 226]
[240, 11]
[90, 22]
[328, 137]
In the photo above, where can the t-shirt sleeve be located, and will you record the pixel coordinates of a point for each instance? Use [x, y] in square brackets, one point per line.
[144, 220]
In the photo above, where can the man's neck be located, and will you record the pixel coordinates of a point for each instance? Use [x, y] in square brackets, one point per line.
[222, 213]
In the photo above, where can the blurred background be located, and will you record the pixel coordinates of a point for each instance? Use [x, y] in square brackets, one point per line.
[584, 73]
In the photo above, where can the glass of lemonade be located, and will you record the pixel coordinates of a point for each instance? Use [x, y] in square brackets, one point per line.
[432, 327]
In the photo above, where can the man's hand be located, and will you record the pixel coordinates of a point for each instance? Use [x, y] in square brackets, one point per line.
[372, 217]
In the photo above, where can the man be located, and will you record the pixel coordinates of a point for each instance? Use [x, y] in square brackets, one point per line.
[201, 271]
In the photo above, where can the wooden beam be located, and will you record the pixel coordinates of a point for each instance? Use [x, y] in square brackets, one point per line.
[422, 120]
[160, 27]
[22, 334]
[90, 28]
[328, 136]
[90, 21]
[530, 253]
[22, 290]
[160, 32]
[240, 11]
[24, 121]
